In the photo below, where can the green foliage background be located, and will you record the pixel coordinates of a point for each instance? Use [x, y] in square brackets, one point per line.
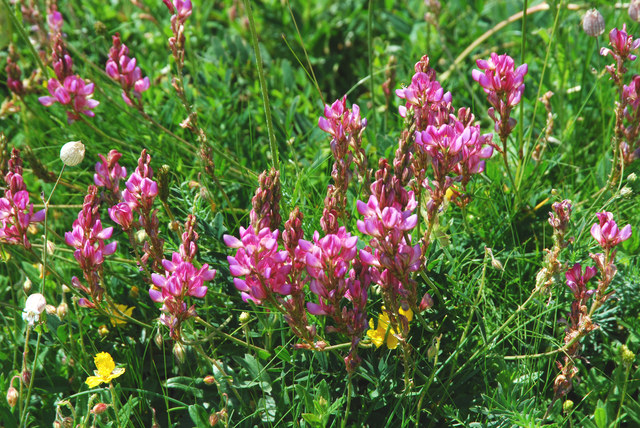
[352, 46]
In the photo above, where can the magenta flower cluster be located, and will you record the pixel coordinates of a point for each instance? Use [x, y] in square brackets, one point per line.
[607, 233]
[88, 238]
[622, 44]
[16, 210]
[67, 89]
[425, 97]
[389, 220]
[504, 85]
[74, 93]
[264, 268]
[138, 197]
[181, 279]
[124, 70]
[109, 172]
[339, 121]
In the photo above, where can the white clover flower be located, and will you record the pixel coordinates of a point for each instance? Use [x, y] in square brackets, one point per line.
[72, 153]
[33, 307]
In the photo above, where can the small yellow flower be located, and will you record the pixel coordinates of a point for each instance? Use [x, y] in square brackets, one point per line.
[384, 330]
[106, 370]
[117, 319]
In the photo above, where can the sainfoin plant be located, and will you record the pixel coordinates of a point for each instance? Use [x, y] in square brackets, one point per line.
[319, 215]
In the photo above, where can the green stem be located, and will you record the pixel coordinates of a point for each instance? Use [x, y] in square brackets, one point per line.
[370, 54]
[624, 393]
[219, 332]
[46, 230]
[426, 387]
[23, 418]
[349, 392]
[114, 403]
[263, 86]
[523, 45]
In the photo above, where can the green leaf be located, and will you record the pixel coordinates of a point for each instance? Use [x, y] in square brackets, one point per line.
[600, 415]
[184, 383]
[198, 415]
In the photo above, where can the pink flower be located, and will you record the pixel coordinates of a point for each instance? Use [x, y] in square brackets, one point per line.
[338, 120]
[74, 94]
[124, 70]
[607, 233]
[264, 268]
[88, 237]
[16, 210]
[504, 86]
[54, 19]
[122, 214]
[109, 172]
[621, 45]
[577, 281]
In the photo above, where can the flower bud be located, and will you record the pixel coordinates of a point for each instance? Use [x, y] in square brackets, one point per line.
[72, 153]
[65, 288]
[62, 310]
[634, 10]
[12, 396]
[431, 352]
[625, 192]
[244, 317]
[26, 286]
[179, 352]
[158, 340]
[33, 307]
[209, 380]
[426, 302]
[99, 408]
[51, 248]
[103, 330]
[627, 356]
[25, 377]
[632, 177]
[213, 419]
[593, 23]
[51, 310]
[567, 406]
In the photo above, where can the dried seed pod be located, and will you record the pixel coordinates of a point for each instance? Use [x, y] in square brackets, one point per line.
[593, 23]
[72, 153]
[634, 10]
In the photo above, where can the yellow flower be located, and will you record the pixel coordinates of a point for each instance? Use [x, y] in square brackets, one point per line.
[106, 370]
[384, 330]
[117, 319]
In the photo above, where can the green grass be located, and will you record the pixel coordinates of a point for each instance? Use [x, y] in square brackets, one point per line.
[460, 375]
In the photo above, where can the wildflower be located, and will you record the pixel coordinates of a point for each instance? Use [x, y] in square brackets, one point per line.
[123, 69]
[33, 307]
[265, 202]
[264, 267]
[109, 172]
[384, 333]
[122, 214]
[607, 233]
[16, 211]
[593, 23]
[106, 372]
[504, 85]
[88, 238]
[72, 153]
[118, 319]
[181, 279]
[622, 44]
[12, 396]
[74, 93]
[577, 281]
[14, 81]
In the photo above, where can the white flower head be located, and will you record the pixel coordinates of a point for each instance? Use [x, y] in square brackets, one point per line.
[72, 153]
[33, 307]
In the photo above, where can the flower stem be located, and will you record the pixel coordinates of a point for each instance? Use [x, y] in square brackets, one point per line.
[349, 392]
[23, 418]
[114, 403]
[263, 86]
